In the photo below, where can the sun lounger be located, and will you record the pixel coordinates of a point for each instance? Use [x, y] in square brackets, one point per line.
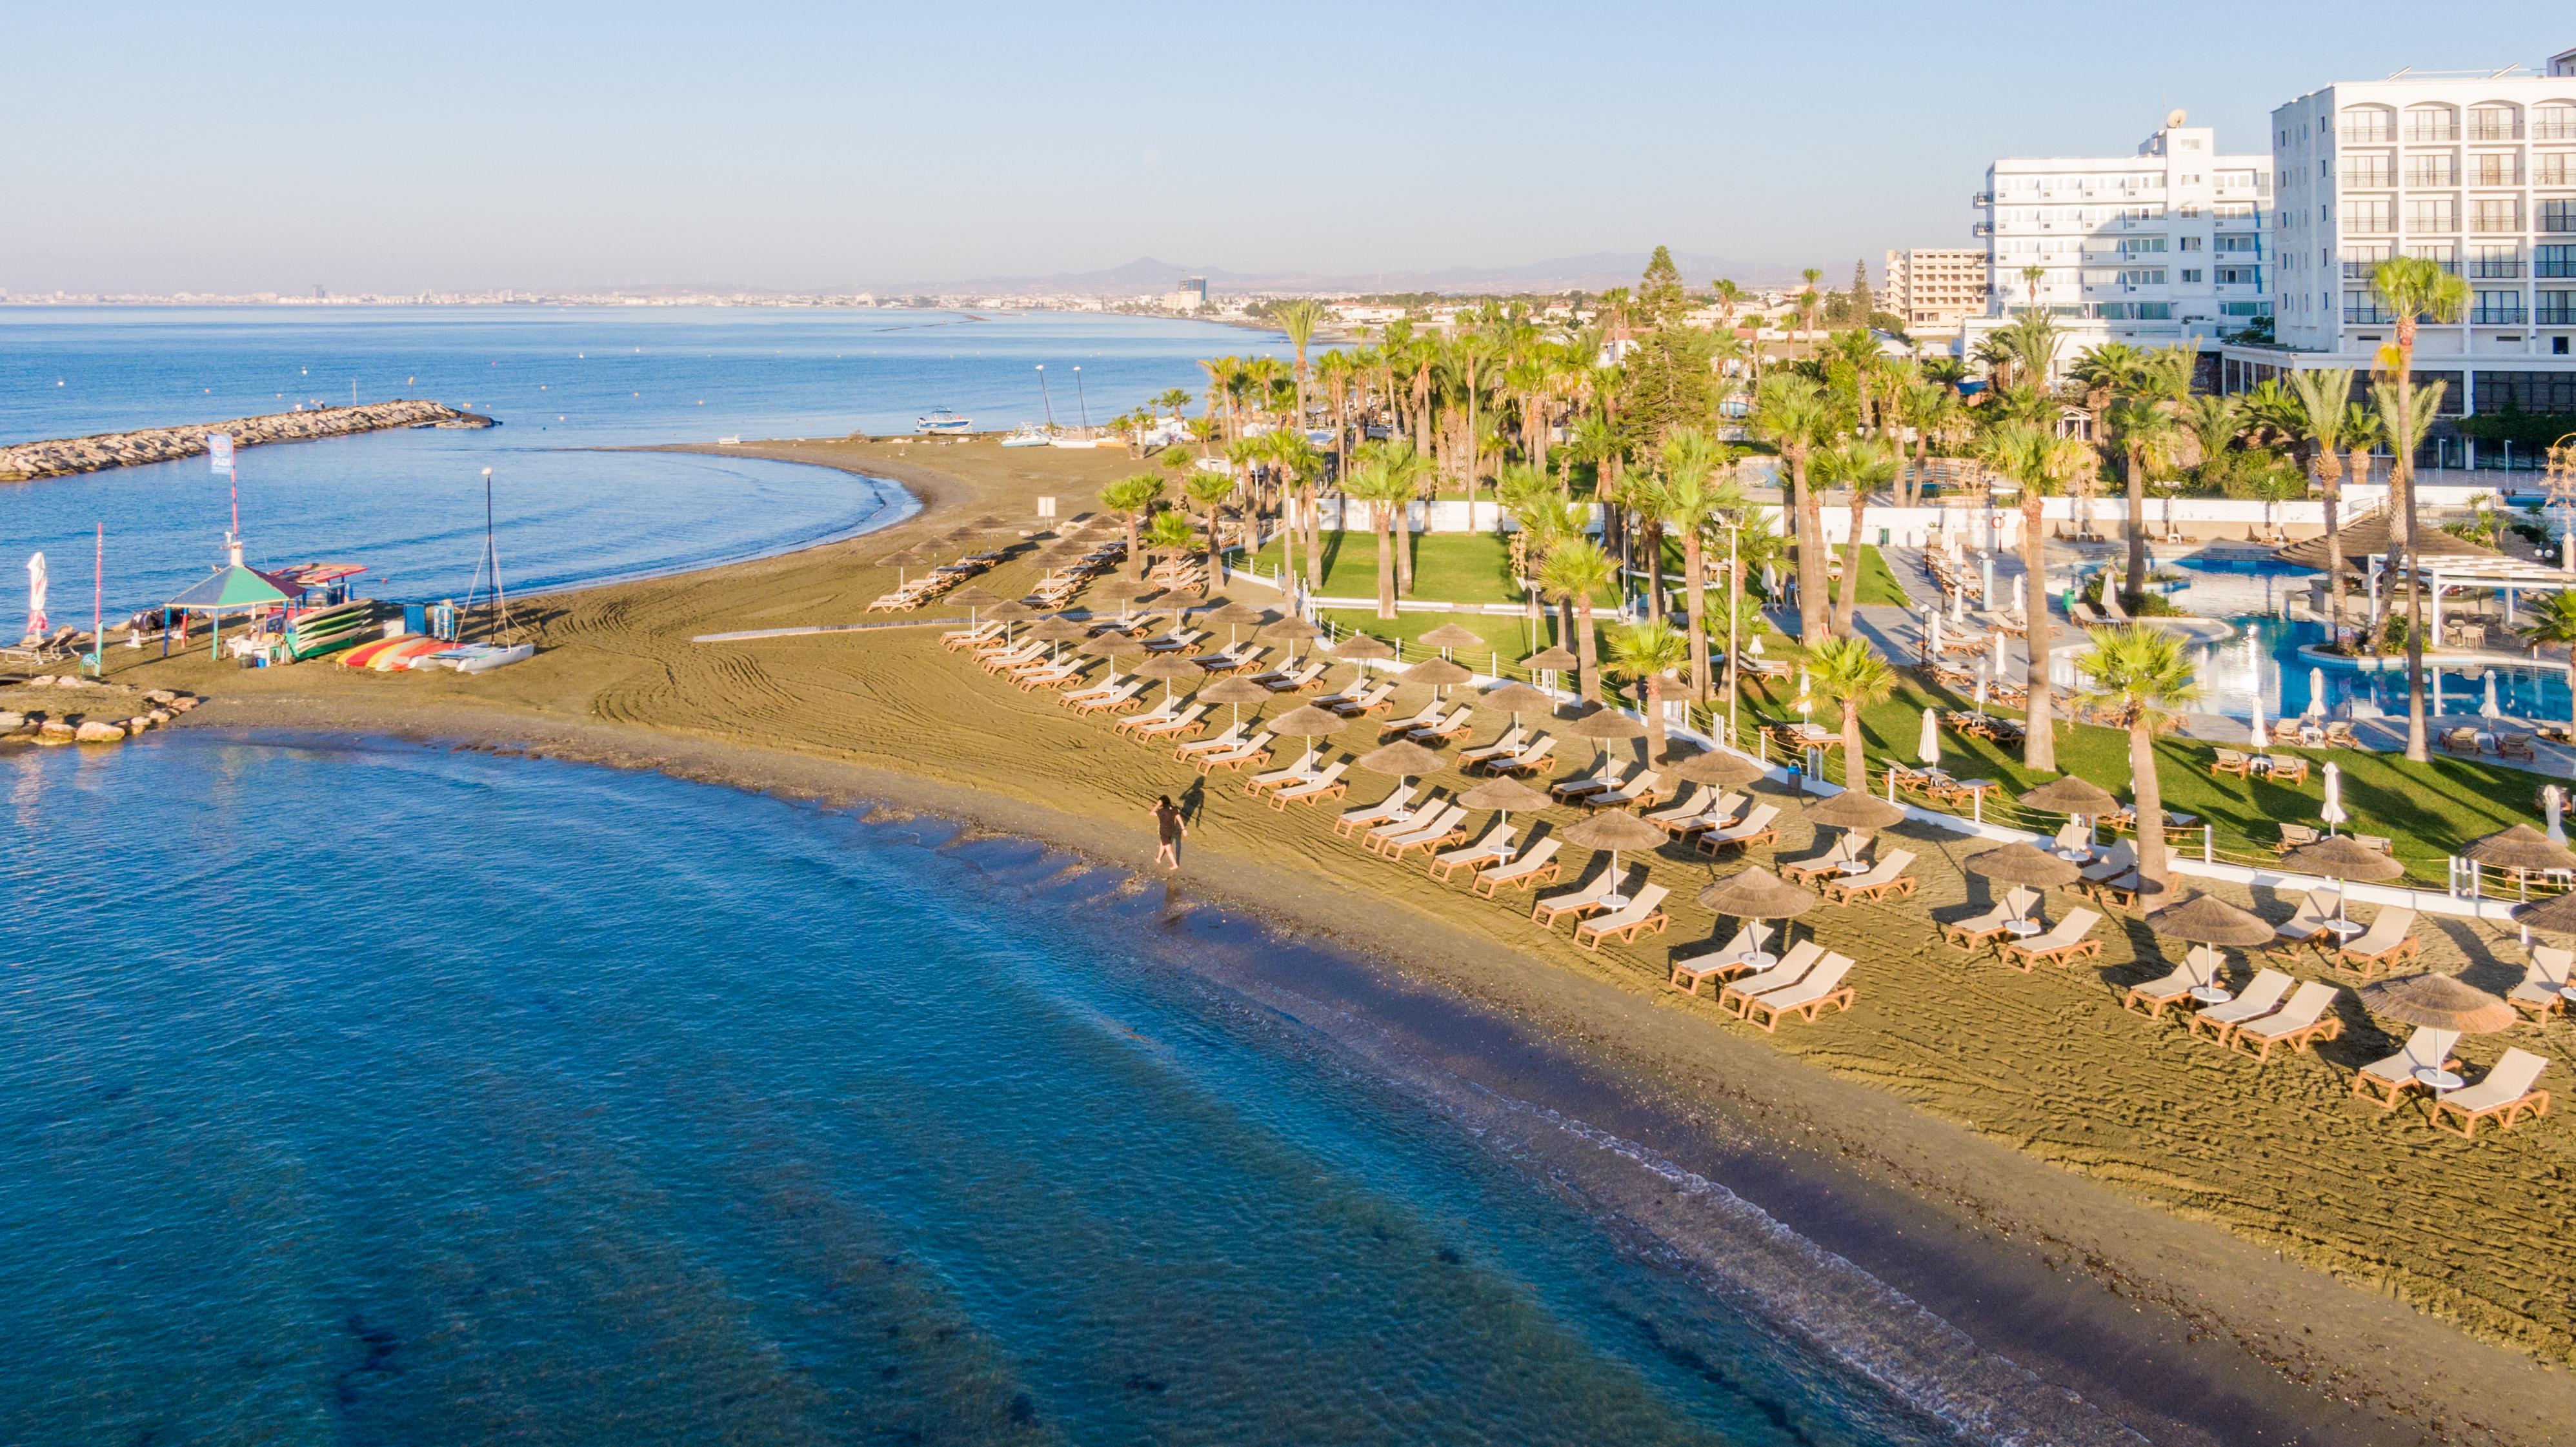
[1533, 755]
[1326, 785]
[2516, 746]
[957, 638]
[1581, 900]
[1179, 640]
[1755, 829]
[1460, 722]
[1502, 747]
[2119, 859]
[2505, 1096]
[1536, 865]
[1296, 773]
[2388, 1081]
[1647, 789]
[1805, 999]
[1713, 811]
[1792, 968]
[1722, 962]
[2308, 925]
[1430, 715]
[1108, 685]
[1643, 911]
[2461, 740]
[1994, 923]
[1167, 709]
[1579, 786]
[2389, 939]
[1366, 701]
[2298, 1023]
[2198, 970]
[2066, 942]
[2339, 734]
[1054, 675]
[1289, 680]
[1189, 721]
[2538, 994]
[1013, 658]
[1846, 849]
[1251, 753]
[1217, 745]
[1444, 828]
[2072, 838]
[2229, 761]
[1122, 698]
[1493, 849]
[1396, 807]
[2260, 998]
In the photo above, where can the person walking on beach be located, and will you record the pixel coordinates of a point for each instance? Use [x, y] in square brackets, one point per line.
[1170, 829]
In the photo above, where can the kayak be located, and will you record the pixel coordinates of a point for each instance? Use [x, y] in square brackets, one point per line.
[478, 657]
[406, 653]
[365, 653]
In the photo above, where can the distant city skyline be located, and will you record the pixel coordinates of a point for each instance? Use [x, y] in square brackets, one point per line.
[809, 149]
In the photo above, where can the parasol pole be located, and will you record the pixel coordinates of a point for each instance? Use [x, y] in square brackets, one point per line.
[97, 606]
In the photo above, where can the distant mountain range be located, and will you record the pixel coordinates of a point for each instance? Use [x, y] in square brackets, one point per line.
[1597, 271]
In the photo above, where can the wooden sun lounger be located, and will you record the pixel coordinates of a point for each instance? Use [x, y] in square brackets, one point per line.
[2507, 1094]
[1296, 773]
[1646, 790]
[1994, 923]
[1792, 968]
[1251, 753]
[2302, 1020]
[1447, 827]
[2066, 942]
[1024, 653]
[1531, 757]
[1179, 640]
[1805, 999]
[2389, 939]
[1713, 811]
[1396, 807]
[1756, 828]
[2260, 998]
[2389, 1081]
[1644, 911]
[1722, 963]
[2229, 761]
[957, 638]
[2198, 970]
[1329, 784]
[1886, 877]
[1536, 865]
[1579, 901]
[1493, 849]
[1108, 685]
[2537, 995]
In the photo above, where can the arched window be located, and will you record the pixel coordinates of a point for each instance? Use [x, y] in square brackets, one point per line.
[2495, 121]
[2432, 124]
[2367, 125]
[2554, 121]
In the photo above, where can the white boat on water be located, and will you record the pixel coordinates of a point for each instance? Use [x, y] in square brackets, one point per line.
[1029, 434]
[944, 420]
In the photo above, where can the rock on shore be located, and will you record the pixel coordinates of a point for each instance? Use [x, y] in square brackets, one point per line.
[28, 460]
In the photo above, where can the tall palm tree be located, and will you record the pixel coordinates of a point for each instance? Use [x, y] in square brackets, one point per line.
[2414, 290]
[1729, 297]
[1646, 654]
[2031, 277]
[1132, 498]
[1172, 400]
[2553, 620]
[1864, 465]
[2322, 396]
[1209, 492]
[2032, 340]
[1337, 370]
[2140, 678]
[1850, 672]
[1545, 515]
[1386, 490]
[2147, 431]
[1808, 300]
[1295, 462]
[1575, 570]
[1791, 413]
[1689, 496]
[1222, 387]
[1299, 318]
[2037, 460]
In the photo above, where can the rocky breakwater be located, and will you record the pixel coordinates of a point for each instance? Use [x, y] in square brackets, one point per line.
[93, 713]
[24, 461]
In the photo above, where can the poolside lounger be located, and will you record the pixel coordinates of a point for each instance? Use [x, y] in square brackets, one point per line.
[2538, 995]
[1430, 715]
[1366, 701]
[2505, 1096]
[2389, 939]
[1644, 911]
[1494, 848]
[1805, 999]
[1647, 789]
[2059, 945]
[2461, 740]
[1994, 923]
[2260, 998]
[1459, 723]
[1189, 721]
[1502, 747]
[2388, 1081]
[1441, 830]
[1217, 745]
[1792, 968]
[2516, 746]
[1581, 900]
[2308, 925]
[1568, 790]
[2372, 841]
[1252, 752]
[1326, 785]
[1123, 698]
[1886, 877]
[1532, 755]
[2119, 859]
[1396, 807]
[1754, 829]
[2339, 734]
[1536, 865]
[1688, 971]
[2229, 761]
[2198, 970]
[2299, 1022]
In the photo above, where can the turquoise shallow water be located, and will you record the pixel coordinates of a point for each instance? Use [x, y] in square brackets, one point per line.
[397, 1095]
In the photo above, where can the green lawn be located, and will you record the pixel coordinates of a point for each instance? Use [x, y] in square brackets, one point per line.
[1451, 567]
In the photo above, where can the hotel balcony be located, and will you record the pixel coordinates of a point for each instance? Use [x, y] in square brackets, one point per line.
[1982, 199]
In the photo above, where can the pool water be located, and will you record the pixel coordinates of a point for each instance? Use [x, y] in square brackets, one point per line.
[2234, 675]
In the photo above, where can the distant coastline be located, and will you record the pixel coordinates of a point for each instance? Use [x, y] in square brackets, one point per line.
[69, 456]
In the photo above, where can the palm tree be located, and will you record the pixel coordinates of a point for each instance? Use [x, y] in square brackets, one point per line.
[2038, 461]
[2140, 678]
[2031, 341]
[1337, 370]
[1222, 385]
[2414, 290]
[1575, 570]
[2147, 431]
[1689, 497]
[1863, 464]
[1209, 492]
[1294, 461]
[1170, 534]
[1729, 297]
[1850, 672]
[1386, 490]
[1132, 498]
[2031, 277]
[1807, 301]
[1646, 654]
[2322, 414]
[1172, 400]
[2553, 620]
[1298, 319]
[1791, 413]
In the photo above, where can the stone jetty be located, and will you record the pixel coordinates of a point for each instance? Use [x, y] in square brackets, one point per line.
[110, 713]
[25, 461]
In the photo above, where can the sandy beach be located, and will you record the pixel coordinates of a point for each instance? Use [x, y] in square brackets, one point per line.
[2232, 1244]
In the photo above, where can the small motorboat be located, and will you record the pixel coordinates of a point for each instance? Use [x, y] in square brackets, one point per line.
[944, 420]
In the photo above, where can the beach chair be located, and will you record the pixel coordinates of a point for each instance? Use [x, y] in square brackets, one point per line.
[2516, 746]
[1179, 640]
[1580, 786]
[1251, 753]
[2339, 734]
[1754, 828]
[2115, 879]
[1531, 758]
[1645, 790]
[1053, 675]
[1326, 785]
[2389, 940]
[957, 638]
[1455, 726]
[1365, 701]
[1695, 808]
[2388, 1081]
[1995, 923]
[2372, 841]
[2299, 1022]
[1296, 773]
[1199, 747]
[2295, 836]
[1493, 849]
[2260, 997]
[1430, 715]
[2507, 1094]
[1443, 828]
[1805, 999]
[1169, 708]
[1579, 901]
[1109, 684]
[1502, 747]
[1395, 808]
[1536, 865]
[1687, 971]
[2538, 994]
[2064, 943]
[1846, 850]
[2198, 970]
[2288, 769]
[1290, 680]
[2073, 838]
[2305, 927]
[1792, 968]
[1644, 911]
[2229, 761]
[1118, 700]
[1189, 721]
[1884, 878]
[2461, 740]
[1014, 657]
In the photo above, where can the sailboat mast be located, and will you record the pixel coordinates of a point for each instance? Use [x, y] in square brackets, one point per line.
[1044, 397]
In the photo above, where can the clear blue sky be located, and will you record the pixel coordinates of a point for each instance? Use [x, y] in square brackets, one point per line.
[358, 147]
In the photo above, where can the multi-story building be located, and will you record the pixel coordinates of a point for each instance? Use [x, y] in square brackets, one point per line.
[2474, 171]
[1936, 289]
[2159, 247]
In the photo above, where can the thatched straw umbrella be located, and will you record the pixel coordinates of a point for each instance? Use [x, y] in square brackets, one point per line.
[1363, 648]
[1123, 590]
[2071, 796]
[2439, 1001]
[1167, 667]
[1236, 616]
[1718, 769]
[1291, 630]
[1603, 725]
[1450, 635]
[1551, 661]
[2024, 864]
[2205, 919]
[1404, 758]
[1614, 830]
[1116, 647]
[1857, 811]
[972, 597]
[2524, 851]
[2343, 858]
[1516, 698]
[1758, 894]
[2549, 916]
[1310, 723]
[1503, 796]
[1439, 673]
[1010, 611]
[903, 560]
[1057, 629]
[1235, 691]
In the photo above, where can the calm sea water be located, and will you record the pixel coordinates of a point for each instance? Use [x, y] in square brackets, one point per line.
[394, 1095]
[409, 505]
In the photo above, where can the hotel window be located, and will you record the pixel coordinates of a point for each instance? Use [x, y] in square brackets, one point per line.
[2362, 307]
[2150, 277]
[2553, 261]
[2360, 261]
[2191, 275]
[2496, 169]
[2496, 213]
[2442, 169]
[2242, 308]
[2432, 123]
[2443, 254]
[2494, 263]
[2556, 308]
[2252, 244]
[2376, 214]
[2187, 243]
[2371, 171]
[2558, 216]
[2141, 245]
[2432, 213]
[2494, 123]
[2496, 308]
[2367, 125]
[2240, 276]
[2553, 123]
[2554, 168]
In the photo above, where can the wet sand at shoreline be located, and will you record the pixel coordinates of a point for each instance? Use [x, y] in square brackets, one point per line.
[2192, 1177]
